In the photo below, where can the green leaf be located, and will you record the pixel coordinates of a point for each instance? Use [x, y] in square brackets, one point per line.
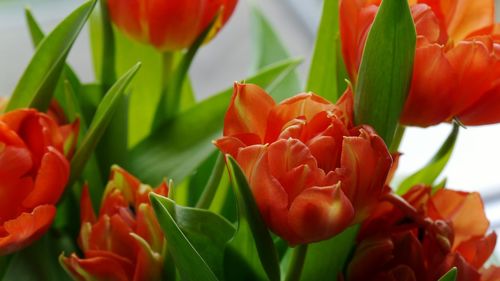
[39, 80]
[450, 275]
[386, 69]
[190, 263]
[250, 221]
[181, 145]
[431, 171]
[326, 259]
[99, 123]
[268, 49]
[326, 58]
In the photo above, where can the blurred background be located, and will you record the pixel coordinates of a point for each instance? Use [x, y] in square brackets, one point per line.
[474, 166]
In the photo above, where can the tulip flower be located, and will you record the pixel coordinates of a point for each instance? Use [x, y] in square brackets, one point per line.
[457, 61]
[33, 175]
[125, 241]
[422, 236]
[168, 25]
[312, 172]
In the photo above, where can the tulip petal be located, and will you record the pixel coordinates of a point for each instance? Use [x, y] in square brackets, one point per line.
[491, 273]
[94, 268]
[433, 86]
[248, 111]
[26, 228]
[87, 213]
[485, 111]
[463, 17]
[50, 181]
[478, 250]
[427, 24]
[319, 213]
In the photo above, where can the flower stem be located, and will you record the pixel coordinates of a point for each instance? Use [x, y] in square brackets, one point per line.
[296, 263]
[108, 72]
[213, 183]
[398, 137]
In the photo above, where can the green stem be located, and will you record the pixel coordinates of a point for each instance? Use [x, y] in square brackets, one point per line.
[213, 183]
[4, 265]
[398, 137]
[296, 263]
[108, 72]
[162, 112]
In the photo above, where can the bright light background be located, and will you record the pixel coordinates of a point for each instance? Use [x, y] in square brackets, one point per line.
[474, 166]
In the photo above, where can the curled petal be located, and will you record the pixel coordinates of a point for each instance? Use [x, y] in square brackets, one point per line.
[477, 251]
[371, 255]
[248, 111]
[94, 268]
[319, 213]
[27, 227]
[50, 181]
[427, 24]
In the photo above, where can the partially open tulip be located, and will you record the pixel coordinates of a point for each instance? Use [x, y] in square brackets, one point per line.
[457, 60]
[422, 236]
[169, 25]
[311, 171]
[125, 241]
[33, 175]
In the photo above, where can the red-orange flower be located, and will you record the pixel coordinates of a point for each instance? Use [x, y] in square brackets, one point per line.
[424, 235]
[457, 60]
[168, 25]
[33, 174]
[125, 241]
[311, 171]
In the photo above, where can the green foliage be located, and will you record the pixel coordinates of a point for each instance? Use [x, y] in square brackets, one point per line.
[450, 275]
[196, 238]
[252, 233]
[386, 69]
[38, 82]
[431, 171]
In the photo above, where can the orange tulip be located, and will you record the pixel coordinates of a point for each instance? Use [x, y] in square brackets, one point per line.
[125, 241]
[457, 60]
[33, 174]
[424, 235]
[311, 171]
[168, 25]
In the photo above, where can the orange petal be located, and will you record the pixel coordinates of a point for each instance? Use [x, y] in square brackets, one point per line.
[427, 24]
[50, 181]
[26, 228]
[94, 268]
[463, 17]
[248, 111]
[485, 111]
[478, 250]
[229, 145]
[465, 210]
[87, 213]
[319, 213]
[371, 255]
[432, 92]
[491, 273]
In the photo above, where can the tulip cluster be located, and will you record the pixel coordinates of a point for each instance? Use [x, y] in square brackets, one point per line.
[33, 174]
[125, 241]
[422, 236]
[457, 60]
[311, 171]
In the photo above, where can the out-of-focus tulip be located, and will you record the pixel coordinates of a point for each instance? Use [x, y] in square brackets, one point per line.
[311, 171]
[33, 174]
[125, 241]
[169, 25]
[457, 60]
[424, 237]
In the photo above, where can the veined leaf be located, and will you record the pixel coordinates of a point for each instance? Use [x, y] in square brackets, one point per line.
[39, 80]
[431, 171]
[269, 49]
[250, 221]
[101, 120]
[386, 69]
[326, 58]
[190, 263]
[450, 275]
[182, 144]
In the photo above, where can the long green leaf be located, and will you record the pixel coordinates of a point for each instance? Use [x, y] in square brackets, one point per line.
[181, 145]
[249, 219]
[101, 120]
[431, 171]
[450, 275]
[268, 49]
[326, 259]
[386, 69]
[39, 80]
[191, 265]
[323, 72]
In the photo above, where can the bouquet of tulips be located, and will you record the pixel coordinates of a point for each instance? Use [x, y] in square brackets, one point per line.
[132, 178]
